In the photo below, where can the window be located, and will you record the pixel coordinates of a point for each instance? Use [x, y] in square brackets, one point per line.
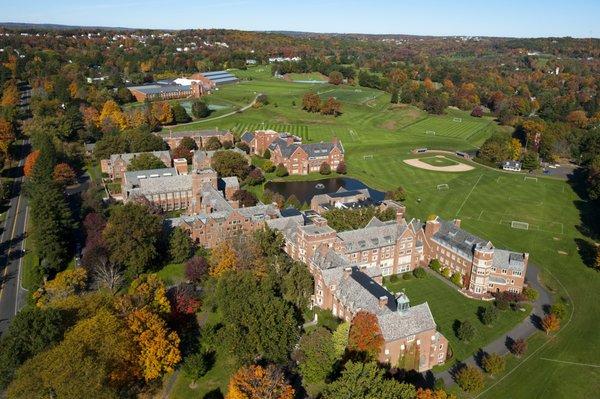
[402, 347]
[387, 351]
[410, 338]
[418, 342]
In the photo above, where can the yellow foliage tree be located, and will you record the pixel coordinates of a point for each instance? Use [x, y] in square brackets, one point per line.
[256, 382]
[516, 148]
[66, 283]
[163, 112]
[112, 112]
[10, 95]
[223, 258]
[158, 347]
[136, 118]
[551, 323]
[147, 291]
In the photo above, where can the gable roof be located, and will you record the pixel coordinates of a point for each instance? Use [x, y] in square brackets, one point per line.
[458, 239]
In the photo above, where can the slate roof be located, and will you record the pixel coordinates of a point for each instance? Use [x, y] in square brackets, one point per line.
[312, 149]
[196, 133]
[247, 137]
[374, 235]
[504, 259]
[133, 178]
[220, 77]
[164, 184]
[160, 88]
[128, 157]
[459, 240]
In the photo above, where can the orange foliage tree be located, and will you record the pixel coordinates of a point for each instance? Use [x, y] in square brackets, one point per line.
[437, 394]
[112, 112]
[256, 382]
[163, 112]
[550, 323]
[30, 162]
[10, 95]
[365, 334]
[63, 174]
[223, 258]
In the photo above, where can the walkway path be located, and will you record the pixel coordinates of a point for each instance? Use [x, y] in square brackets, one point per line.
[524, 329]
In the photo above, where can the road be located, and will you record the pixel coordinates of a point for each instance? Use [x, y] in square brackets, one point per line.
[11, 246]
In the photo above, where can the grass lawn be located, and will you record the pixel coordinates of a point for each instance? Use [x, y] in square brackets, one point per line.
[485, 200]
[172, 274]
[448, 305]
[439, 160]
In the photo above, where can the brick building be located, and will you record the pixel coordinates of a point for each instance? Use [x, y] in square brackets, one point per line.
[117, 164]
[201, 137]
[260, 140]
[166, 90]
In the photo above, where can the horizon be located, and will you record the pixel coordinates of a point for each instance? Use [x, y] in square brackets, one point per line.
[509, 19]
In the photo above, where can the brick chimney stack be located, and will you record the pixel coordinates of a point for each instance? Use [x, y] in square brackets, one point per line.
[347, 272]
[457, 223]
[383, 301]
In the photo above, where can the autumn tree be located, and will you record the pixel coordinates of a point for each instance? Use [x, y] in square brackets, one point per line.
[64, 284]
[336, 78]
[245, 198]
[163, 112]
[433, 394]
[331, 107]
[550, 323]
[196, 269]
[365, 334]
[493, 363]
[30, 161]
[63, 174]
[111, 113]
[533, 130]
[257, 382]
[212, 144]
[470, 379]
[341, 168]
[578, 118]
[224, 258]
[311, 102]
[518, 347]
[516, 149]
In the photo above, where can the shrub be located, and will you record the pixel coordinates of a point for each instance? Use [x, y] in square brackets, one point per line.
[406, 276]
[446, 272]
[488, 315]
[531, 294]
[397, 194]
[200, 109]
[228, 145]
[477, 112]
[267, 154]
[268, 167]
[341, 168]
[243, 146]
[559, 309]
[518, 347]
[465, 331]
[394, 278]
[493, 363]
[281, 171]
[502, 303]
[470, 379]
[435, 265]
[419, 272]
[456, 279]
[255, 177]
[325, 169]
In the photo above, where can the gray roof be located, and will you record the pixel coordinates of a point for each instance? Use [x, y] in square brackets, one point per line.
[313, 229]
[159, 185]
[397, 325]
[196, 133]
[312, 149]
[255, 213]
[220, 77]
[504, 259]
[134, 177]
[374, 235]
[459, 240]
[231, 181]
[247, 137]
[160, 88]
[128, 157]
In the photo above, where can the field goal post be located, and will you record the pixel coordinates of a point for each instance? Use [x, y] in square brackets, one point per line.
[432, 132]
[370, 156]
[515, 224]
[456, 119]
[530, 178]
[443, 186]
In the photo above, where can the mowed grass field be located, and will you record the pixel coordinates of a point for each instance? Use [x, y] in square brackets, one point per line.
[377, 136]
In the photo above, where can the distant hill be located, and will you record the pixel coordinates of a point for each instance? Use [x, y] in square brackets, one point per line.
[30, 26]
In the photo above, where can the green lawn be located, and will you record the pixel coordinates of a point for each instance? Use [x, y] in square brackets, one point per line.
[448, 305]
[438, 161]
[172, 274]
[486, 200]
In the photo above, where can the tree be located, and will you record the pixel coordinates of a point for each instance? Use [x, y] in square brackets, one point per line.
[488, 315]
[145, 161]
[465, 331]
[331, 107]
[311, 102]
[435, 103]
[64, 284]
[398, 194]
[436, 394]
[336, 78]
[297, 284]
[493, 363]
[470, 379]
[394, 99]
[325, 169]
[142, 140]
[477, 112]
[245, 198]
[255, 177]
[10, 95]
[63, 174]
[32, 331]
[196, 366]
[196, 269]
[340, 339]
[559, 309]
[341, 168]
[316, 355]
[531, 294]
[230, 163]
[131, 236]
[146, 292]
[243, 146]
[257, 382]
[188, 143]
[518, 347]
[366, 380]
[550, 323]
[531, 161]
[267, 154]
[180, 115]
[200, 109]
[181, 246]
[111, 114]
[110, 144]
[30, 161]
[578, 118]
[516, 149]
[212, 144]
[365, 334]
[224, 258]
[281, 171]
[162, 112]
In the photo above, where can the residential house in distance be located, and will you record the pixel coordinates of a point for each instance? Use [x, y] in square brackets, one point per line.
[201, 137]
[410, 335]
[485, 269]
[514, 166]
[117, 164]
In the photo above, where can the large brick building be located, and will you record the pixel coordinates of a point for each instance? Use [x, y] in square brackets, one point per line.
[117, 164]
[201, 137]
[288, 150]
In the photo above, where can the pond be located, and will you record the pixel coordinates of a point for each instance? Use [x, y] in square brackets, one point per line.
[305, 190]
[310, 81]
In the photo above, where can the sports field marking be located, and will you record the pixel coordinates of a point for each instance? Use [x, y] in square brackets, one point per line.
[468, 195]
[535, 179]
[370, 156]
[430, 132]
[514, 199]
[515, 224]
[442, 187]
[456, 119]
[574, 363]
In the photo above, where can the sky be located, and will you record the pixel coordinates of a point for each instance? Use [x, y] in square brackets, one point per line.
[513, 18]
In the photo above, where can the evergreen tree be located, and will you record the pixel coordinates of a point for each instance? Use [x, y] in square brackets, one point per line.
[181, 246]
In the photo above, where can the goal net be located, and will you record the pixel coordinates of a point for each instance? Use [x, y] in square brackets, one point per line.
[442, 187]
[519, 225]
[530, 178]
[457, 119]
[368, 156]
[430, 132]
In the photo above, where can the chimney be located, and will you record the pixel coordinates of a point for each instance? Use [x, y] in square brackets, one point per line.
[335, 140]
[383, 301]
[457, 223]
[347, 272]
[181, 166]
[319, 221]
[400, 213]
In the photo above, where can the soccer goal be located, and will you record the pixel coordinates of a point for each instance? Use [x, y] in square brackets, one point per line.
[519, 225]
[456, 119]
[442, 187]
[530, 178]
[370, 156]
[430, 132]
